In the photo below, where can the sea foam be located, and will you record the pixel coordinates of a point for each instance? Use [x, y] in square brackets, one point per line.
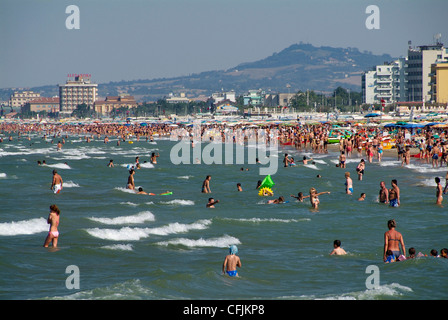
[134, 219]
[31, 226]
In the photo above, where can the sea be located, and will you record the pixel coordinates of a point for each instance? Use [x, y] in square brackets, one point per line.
[115, 244]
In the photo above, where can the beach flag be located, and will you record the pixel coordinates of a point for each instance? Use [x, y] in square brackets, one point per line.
[267, 182]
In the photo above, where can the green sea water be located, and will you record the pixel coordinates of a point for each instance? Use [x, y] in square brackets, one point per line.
[129, 246]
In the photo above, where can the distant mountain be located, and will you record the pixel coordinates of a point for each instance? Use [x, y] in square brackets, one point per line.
[300, 67]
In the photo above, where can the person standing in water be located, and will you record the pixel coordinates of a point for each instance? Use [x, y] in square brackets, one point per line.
[231, 262]
[383, 194]
[392, 241]
[348, 184]
[394, 194]
[206, 185]
[53, 221]
[56, 184]
[439, 191]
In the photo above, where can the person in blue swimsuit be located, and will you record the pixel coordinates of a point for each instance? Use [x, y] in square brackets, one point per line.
[231, 262]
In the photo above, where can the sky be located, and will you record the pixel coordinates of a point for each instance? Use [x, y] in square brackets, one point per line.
[146, 39]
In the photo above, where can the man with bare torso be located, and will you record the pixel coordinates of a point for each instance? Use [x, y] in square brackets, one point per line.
[56, 184]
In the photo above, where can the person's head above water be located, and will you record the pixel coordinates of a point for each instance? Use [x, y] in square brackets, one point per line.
[233, 249]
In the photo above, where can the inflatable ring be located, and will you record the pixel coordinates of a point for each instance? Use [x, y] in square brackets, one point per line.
[265, 192]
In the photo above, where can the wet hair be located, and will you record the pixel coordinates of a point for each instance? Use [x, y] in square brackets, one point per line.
[437, 179]
[434, 252]
[54, 208]
[412, 251]
[140, 189]
[337, 243]
[394, 181]
[391, 223]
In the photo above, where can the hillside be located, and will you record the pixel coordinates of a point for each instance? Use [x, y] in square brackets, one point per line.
[301, 66]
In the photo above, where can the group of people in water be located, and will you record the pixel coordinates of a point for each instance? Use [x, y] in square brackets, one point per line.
[314, 137]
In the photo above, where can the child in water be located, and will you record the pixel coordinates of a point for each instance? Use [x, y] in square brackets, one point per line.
[314, 197]
[389, 257]
[231, 262]
[337, 248]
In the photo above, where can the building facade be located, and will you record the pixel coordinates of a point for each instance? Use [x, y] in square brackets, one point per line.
[418, 67]
[111, 103]
[76, 92]
[20, 98]
[278, 99]
[42, 104]
[439, 83]
[221, 96]
[386, 82]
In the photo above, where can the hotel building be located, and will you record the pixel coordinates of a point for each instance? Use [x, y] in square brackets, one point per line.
[111, 103]
[418, 67]
[20, 98]
[76, 92]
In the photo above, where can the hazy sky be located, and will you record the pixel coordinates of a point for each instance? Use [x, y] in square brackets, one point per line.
[145, 39]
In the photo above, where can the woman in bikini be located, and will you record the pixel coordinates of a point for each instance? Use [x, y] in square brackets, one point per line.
[53, 221]
[392, 241]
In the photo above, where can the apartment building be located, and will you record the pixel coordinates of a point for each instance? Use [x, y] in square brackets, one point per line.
[386, 82]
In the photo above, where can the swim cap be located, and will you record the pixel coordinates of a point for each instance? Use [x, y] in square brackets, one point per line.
[233, 249]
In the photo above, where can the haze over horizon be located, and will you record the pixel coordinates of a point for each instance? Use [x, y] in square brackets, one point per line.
[138, 39]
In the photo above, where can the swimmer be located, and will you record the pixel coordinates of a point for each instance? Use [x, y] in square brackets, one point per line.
[56, 184]
[392, 241]
[206, 185]
[300, 197]
[131, 183]
[211, 203]
[279, 200]
[342, 160]
[286, 160]
[348, 184]
[111, 164]
[238, 187]
[383, 194]
[140, 191]
[154, 157]
[390, 257]
[337, 248]
[394, 194]
[439, 192]
[305, 160]
[360, 169]
[53, 221]
[314, 197]
[362, 197]
[231, 262]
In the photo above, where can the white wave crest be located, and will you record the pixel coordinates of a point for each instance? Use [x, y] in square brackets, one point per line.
[31, 226]
[134, 234]
[221, 242]
[179, 202]
[134, 219]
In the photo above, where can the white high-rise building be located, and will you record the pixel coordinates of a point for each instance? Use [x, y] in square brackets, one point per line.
[386, 82]
[76, 92]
